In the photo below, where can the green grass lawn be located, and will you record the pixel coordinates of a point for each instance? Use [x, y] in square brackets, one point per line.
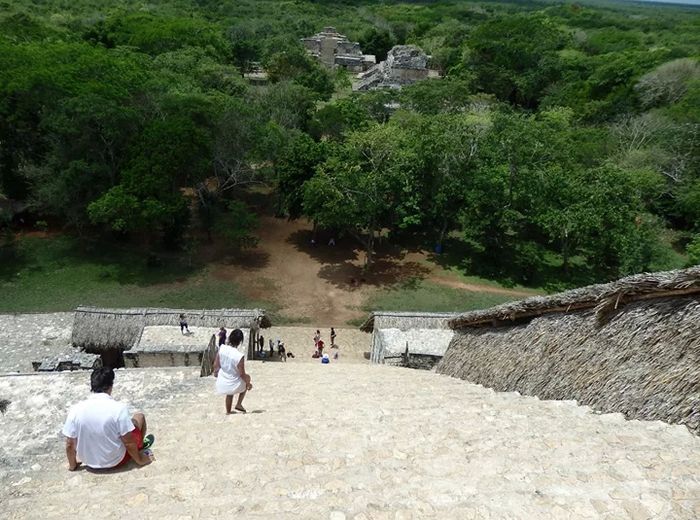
[59, 273]
[424, 296]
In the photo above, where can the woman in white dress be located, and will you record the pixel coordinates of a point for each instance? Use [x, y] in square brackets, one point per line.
[229, 370]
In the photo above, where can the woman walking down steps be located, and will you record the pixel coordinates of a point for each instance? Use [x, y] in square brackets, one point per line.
[229, 370]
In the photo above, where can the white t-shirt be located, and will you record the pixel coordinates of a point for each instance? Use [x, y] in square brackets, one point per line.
[98, 423]
[229, 381]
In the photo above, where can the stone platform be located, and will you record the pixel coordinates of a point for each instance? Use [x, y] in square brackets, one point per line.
[166, 346]
[346, 441]
[27, 338]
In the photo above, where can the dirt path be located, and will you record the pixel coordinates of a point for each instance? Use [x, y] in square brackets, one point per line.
[456, 284]
[286, 265]
[325, 284]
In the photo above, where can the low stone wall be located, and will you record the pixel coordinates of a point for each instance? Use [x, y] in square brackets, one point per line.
[33, 337]
[416, 361]
[165, 346]
[644, 361]
[388, 344]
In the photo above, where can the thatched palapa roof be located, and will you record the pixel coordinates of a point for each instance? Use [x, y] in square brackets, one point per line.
[98, 329]
[407, 320]
[423, 333]
[603, 298]
[631, 346]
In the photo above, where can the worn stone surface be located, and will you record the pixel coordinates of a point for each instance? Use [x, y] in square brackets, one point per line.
[33, 337]
[347, 441]
[75, 360]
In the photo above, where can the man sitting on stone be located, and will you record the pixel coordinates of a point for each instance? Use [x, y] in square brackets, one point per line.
[99, 432]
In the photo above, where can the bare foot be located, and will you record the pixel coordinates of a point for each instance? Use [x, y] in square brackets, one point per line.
[241, 409]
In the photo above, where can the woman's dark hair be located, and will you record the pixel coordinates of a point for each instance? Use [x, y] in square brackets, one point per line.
[235, 338]
[101, 379]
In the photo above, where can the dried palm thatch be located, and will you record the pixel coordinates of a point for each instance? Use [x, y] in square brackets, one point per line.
[605, 298]
[96, 329]
[632, 346]
[407, 320]
[105, 329]
[423, 332]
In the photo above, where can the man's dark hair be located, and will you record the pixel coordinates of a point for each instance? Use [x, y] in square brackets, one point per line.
[101, 379]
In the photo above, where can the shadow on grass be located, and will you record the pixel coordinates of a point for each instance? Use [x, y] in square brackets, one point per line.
[248, 259]
[385, 272]
[345, 249]
[106, 261]
[508, 272]
[342, 262]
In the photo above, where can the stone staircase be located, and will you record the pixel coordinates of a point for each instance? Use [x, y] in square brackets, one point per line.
[346, 440]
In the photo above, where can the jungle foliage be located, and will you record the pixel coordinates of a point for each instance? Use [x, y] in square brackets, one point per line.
[560, 145]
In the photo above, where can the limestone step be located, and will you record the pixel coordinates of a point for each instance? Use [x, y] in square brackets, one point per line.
[346, 441]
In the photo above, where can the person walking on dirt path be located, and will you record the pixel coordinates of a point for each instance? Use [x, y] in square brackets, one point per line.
[222, 335]
[229, 370]
[333, 338]
[99, 431]
[317, 338]
[183, 324]
[261, 343]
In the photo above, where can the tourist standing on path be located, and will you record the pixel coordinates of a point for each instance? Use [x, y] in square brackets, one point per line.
[317, 338]
[99, 432]
[183, 324]
[261, 343]
[332, 337]
[229, 370]
[222, 335]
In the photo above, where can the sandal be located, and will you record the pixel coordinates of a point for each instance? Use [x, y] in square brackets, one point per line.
[148, 441]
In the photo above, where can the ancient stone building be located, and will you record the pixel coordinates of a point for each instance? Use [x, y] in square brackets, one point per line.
[335, 50]
[405, 64]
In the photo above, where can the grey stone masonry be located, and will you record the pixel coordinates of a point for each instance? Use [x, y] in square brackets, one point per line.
[404, 65]
[333, 49]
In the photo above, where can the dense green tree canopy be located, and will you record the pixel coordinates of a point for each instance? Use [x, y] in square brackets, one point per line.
[561, 143]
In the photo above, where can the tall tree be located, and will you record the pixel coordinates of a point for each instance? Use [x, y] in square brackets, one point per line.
[515, 57]
[363, 183]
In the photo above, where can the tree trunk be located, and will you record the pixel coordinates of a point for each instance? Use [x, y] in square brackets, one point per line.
[511, 182]
[565, 253]
[443, 232]
[369, 250]
[368, 245]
